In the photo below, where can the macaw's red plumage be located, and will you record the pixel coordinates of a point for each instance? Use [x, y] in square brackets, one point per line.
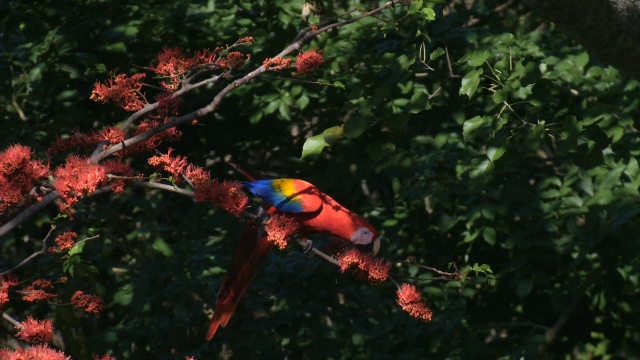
[314, 211]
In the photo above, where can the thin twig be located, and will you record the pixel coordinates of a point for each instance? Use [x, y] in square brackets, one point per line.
[305, 244]
[13, 321]
[166, 187]
[42, 251]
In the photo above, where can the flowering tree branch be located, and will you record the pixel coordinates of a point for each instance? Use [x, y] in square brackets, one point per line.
[106, 149]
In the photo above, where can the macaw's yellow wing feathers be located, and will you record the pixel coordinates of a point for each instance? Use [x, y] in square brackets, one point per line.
[287, 195]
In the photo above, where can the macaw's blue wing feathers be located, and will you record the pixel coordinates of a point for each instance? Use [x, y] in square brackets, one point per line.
[287, 195]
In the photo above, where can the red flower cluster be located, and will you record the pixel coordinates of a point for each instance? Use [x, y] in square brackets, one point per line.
[39, 352]
[245, 40]
[74, 142]
[376, 270]
[197, 175]
[410, 301]
[39, 290]
[168, 135]
[205, 57]
[87, 302]
[174, 64]
[276, 63]
[171, 164]
[18, 174]
[77, 178]
[35, 331]
[280, 228]
[233, 60]
[111, 134]
[227, 195]
[123, 90]
[167, 105]
[6, 283]
[64, 242]
[308, 62]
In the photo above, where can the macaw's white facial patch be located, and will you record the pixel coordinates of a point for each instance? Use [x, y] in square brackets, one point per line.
[362, 236]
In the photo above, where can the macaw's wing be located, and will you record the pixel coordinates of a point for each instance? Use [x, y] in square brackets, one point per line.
[287, 195]
[245, 263]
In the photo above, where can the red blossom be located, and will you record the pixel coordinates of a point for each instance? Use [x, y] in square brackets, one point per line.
[38, 291]
[87, 302]
[123, 90]
[74, 142]
[167, 105]
[233, 60]
[245, 40]
[154, 141]
[376, 270]
[111, 134]
[171, 164]
[205, 56]
[38, 352]
[410, 301]
[77, 178]
[6, 283]
[280, 228]
[36, 331]
[174, 64]
[197, 175]
[18, 174]
[227, 195]
[308, 62]
[276, 63]
[64, 242]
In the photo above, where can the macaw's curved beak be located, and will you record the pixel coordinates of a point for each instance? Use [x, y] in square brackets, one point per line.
[373, 247]
[376, 245]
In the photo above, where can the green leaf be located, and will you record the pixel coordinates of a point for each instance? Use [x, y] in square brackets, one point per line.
[377, 151]
[338, 84]
[489, 235]
[429, 13]
[471, 125]
[162, 247]
[77, 248]
[470, 83]
[356, 126]
[436, 53]
[476, 58]
[495, 153]
[313, 145]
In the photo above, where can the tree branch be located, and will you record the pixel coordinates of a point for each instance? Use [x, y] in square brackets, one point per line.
[42, 251]
[304, 36]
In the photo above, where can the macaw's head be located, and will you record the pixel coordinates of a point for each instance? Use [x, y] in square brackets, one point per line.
[366, 238]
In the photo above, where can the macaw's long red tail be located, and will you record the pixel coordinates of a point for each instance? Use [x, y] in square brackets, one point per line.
[250, 174]
[244, 265]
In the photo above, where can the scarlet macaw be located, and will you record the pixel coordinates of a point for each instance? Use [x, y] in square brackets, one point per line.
[314, 211]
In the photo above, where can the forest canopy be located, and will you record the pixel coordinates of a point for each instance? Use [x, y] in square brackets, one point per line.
[493, 150]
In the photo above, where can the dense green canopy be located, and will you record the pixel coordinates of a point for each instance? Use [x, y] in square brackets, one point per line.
[473, 133]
